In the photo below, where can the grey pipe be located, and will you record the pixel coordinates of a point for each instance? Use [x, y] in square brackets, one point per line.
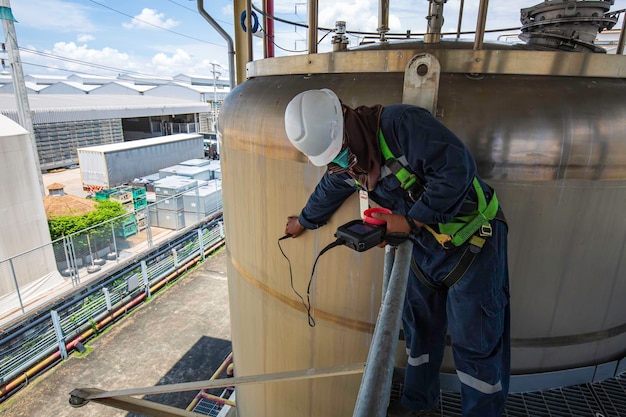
[375, 388]
[229, 41]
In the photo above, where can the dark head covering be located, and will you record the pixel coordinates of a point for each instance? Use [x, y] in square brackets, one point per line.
[361, 136]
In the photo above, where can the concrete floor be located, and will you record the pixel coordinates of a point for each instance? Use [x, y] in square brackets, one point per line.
[181, 335]
[70, 178]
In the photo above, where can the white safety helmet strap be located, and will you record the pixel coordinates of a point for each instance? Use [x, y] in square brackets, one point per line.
[314, 125]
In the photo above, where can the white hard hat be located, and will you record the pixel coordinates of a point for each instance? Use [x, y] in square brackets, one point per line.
[314, 125]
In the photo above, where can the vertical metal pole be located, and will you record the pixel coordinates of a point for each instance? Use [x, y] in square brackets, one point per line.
[75, 275]
[144, 275]
[67, 258]
[313, 6]
[21, 95]
[175, 255]
[249, 29]
[117, 255]
[620, 43]
[480, 24]
[107, 298]
[435, 21]
[149, 226]
[375, 390]
[17, 287]
[201, 244]
[58, 331]
[458, 27]
[383, 18]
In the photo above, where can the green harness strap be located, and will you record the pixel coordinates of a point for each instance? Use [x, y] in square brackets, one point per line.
[406, 178]
[461, 228]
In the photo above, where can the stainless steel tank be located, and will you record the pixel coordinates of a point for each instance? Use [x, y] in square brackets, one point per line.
[547, 130]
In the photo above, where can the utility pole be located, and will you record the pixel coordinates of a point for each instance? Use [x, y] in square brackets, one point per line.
[19, 86]
[215, 75]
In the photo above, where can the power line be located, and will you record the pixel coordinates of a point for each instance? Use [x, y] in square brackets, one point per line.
[88, 64]
[156, 26]
[195, 11]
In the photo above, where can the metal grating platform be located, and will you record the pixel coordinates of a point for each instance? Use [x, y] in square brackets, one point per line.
[212, 408]
[600, 399]
[207, 408]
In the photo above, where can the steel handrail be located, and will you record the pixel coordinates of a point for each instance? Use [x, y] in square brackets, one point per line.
[375, 390]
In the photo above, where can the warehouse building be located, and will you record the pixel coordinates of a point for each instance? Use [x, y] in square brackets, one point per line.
[81, 110]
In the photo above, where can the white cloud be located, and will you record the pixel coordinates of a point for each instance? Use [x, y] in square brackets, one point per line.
[53, 15]
[357, 14]
[107, 56]
[84, 38]
[181, 62]
[148, 19]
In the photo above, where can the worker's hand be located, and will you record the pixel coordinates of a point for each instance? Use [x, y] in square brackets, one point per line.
[396, 223]
[293, 227]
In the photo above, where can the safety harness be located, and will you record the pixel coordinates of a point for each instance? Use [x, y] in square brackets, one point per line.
[474, 227]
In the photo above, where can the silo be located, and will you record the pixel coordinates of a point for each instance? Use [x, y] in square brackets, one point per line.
[546, 128]
[23, 223]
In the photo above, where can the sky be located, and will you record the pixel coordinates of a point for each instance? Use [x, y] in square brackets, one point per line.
[165, 38]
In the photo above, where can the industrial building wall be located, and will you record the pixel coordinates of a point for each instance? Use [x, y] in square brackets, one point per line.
[57, 142]
[23, 223]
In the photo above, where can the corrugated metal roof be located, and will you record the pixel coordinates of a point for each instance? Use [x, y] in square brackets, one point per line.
[31, 87]
[77, 107]
[123, 84]
[44, 79]
[68, 87]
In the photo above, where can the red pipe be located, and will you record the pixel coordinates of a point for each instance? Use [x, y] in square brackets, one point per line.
[269, 28]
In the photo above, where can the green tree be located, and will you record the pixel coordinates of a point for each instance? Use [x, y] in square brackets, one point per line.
[98, 236]
[64, 225]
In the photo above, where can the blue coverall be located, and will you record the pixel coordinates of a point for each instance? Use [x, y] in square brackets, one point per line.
[476, 308]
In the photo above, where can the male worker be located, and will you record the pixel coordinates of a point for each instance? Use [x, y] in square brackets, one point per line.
[410, 163]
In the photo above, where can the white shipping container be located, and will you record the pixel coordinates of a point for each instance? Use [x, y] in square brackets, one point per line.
[107, 166]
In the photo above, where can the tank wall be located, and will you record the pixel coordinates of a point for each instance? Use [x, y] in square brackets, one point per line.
[270, 327]
[552, 148]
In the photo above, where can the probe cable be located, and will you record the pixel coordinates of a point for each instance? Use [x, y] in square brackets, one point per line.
[307, 304]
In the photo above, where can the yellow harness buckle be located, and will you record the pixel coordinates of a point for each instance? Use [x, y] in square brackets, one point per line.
[441, 238]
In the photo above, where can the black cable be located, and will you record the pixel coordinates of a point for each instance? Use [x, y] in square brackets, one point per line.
[307, 304]
[307, 308]
[399, 35]
[153, 25]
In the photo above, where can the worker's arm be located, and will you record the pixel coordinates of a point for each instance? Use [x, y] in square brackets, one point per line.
[441, 158]
[329, 194]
